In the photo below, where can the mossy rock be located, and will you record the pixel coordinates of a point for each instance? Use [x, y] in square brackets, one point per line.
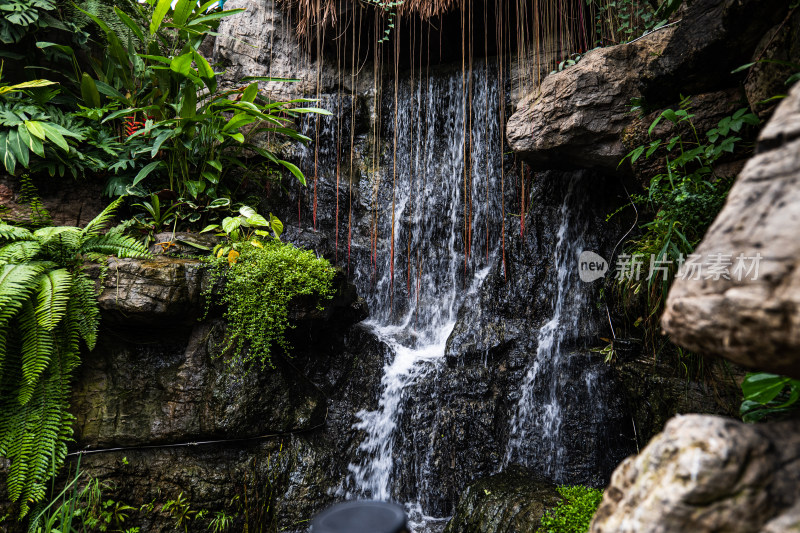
[513, 501]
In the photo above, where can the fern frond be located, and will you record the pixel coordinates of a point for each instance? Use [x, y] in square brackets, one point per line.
[101, 221]
[17, 282]
[37, 347]
[54, 293]
[60, 241]
[14, 233]
[19, 251]
[34, 435]
[118, 245]
[83, 312]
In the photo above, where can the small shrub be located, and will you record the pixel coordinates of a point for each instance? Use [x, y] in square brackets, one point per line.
[259, 283]
[574, 513]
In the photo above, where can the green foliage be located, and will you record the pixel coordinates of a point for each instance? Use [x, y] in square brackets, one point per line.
[48, 305]
[574, 513]
[79, 509]
[244, 230]
[260, 279]
[20, 17]
[685, 198]
[390, 8]
[193, 133]
[768, 395]
[619, 21]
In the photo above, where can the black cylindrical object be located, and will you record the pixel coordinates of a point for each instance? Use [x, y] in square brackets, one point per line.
[361, 517]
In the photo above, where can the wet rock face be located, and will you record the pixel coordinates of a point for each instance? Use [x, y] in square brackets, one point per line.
[707, 473]
[511, 502]
[186, 423]
[767, 79]
[753, 322]
[468, 403]
[75, 205]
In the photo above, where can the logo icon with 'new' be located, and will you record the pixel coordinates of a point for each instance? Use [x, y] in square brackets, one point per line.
[591, 266]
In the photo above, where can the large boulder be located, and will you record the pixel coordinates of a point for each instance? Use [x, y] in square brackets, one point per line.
[577, 117]
[707, 473]
[752, 319]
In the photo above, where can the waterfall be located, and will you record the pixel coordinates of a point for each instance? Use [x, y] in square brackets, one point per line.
[535, 436]
[438, 258]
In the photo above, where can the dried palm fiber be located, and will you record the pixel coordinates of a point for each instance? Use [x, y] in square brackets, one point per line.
[323, 12]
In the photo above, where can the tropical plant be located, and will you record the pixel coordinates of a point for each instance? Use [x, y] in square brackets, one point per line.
[685, 197]
[80, 509]
[198, 138]
[768, 395]
[48, 305]
[573, 514]
[221, 522]
[243, 230]
[23, 16]
[27, 128]
[259, 280]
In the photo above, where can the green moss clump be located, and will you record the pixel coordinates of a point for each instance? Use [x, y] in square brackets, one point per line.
[574, 513]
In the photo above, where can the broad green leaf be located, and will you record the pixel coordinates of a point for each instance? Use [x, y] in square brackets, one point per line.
[160, 11]
[215, 164]
[250, 93]
[182, 11]
[182, 64]
[763, 387]
[276, 225]
[316, 110]
[35, 128]
[33, 84]
[230, 224]
[133, 26]
[18, 147]
[294, 170]
[89, 93]
[146, 171]
[246, 211]
[195, 187]
[237, 121]
[206, 72]
[215, 16]
[54, 135]
[188, 101]
[257, 221]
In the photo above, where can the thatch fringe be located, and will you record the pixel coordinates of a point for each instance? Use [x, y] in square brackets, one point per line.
[311, 13]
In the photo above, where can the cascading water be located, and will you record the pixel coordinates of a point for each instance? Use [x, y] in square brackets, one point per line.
[416, 260]
[438, 258]
[535, 436]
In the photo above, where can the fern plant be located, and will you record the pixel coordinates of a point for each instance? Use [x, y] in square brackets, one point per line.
[48, 306]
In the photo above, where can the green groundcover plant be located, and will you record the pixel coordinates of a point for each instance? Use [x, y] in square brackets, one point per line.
[574, 513]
